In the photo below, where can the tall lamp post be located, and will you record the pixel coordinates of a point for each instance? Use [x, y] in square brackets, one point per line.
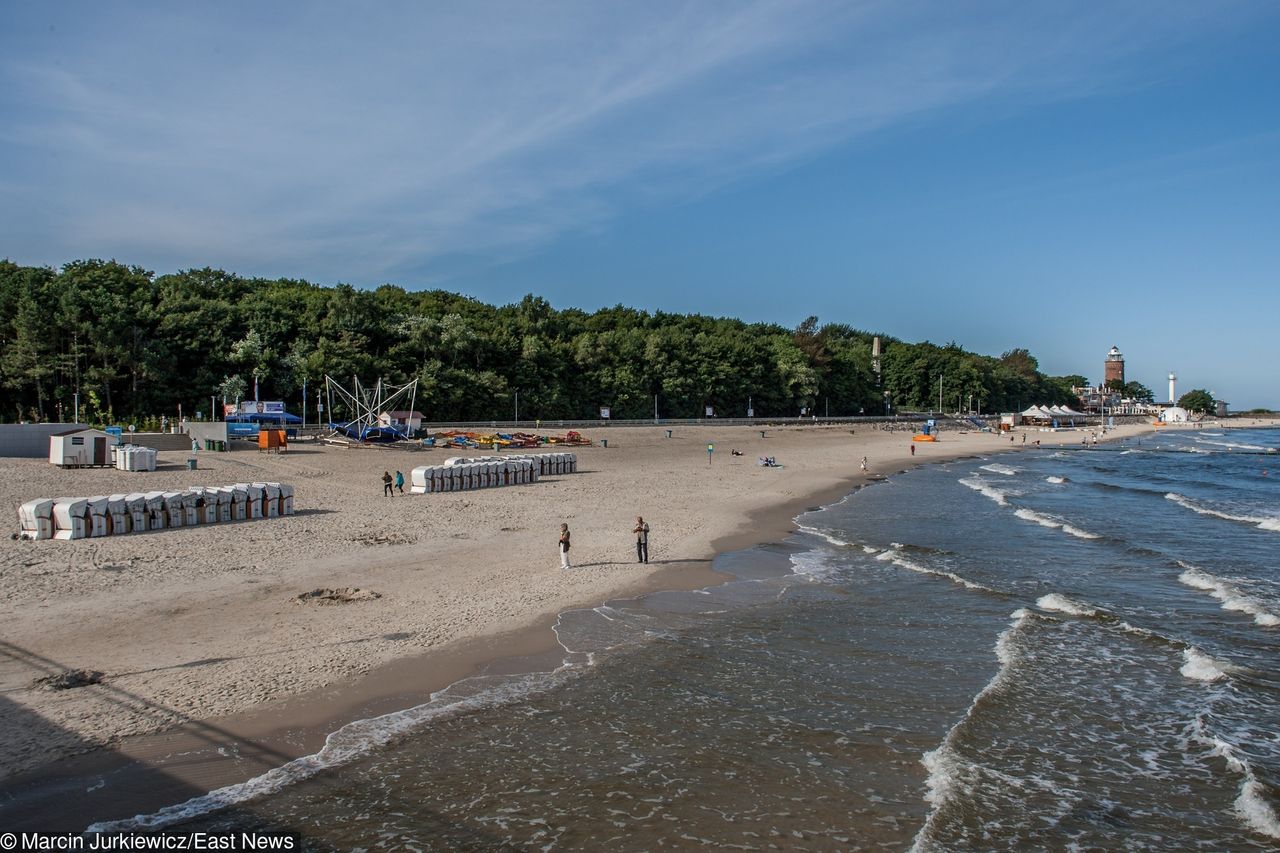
[516, 420]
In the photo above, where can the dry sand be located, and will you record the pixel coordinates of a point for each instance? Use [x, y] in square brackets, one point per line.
[200, 623]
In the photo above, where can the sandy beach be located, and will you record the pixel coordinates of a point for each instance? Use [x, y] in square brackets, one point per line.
[199, 629]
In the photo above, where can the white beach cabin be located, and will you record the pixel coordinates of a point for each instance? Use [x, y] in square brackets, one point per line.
[80, 448]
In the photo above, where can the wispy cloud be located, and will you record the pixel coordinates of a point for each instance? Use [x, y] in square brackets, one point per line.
[359, 142]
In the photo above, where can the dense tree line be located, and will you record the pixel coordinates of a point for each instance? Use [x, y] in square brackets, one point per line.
[135, 344]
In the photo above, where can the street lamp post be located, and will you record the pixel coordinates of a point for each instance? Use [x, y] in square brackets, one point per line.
[517, 415]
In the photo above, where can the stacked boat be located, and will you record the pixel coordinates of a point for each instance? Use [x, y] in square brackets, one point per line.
[114, 515]
[463, 473]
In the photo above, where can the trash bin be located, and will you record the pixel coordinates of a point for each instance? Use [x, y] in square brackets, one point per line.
[191, 463]
[604, 442]
[668, 433]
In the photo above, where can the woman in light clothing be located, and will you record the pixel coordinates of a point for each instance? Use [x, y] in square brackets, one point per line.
[564, 547]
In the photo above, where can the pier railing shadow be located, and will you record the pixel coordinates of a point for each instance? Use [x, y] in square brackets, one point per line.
[102, 783]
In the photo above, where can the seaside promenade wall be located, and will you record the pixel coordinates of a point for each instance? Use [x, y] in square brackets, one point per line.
[31, 441]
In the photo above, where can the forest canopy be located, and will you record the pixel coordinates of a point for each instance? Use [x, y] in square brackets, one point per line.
[136, 345]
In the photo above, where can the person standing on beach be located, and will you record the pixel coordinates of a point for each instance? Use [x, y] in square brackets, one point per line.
[564, 547]
[642, 540]
[913, 450]
[864, 462]
[400, 482]
[386, 485]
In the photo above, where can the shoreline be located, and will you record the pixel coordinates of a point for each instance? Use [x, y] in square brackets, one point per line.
[192, 757]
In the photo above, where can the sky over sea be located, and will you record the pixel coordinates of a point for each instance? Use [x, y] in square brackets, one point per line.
[1056, 176]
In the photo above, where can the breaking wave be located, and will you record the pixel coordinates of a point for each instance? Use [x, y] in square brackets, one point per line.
[1231, 597]
[1262, 522]
[1053, 522]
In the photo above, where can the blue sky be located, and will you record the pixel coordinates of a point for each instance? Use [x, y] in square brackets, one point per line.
[1056, 176]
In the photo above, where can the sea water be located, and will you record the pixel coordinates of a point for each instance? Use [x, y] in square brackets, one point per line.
[1052, 649]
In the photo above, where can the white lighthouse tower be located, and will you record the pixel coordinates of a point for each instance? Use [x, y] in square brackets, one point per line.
[1173, 397]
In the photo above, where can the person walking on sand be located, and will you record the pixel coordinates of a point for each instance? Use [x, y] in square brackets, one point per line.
[864, 463]
[913, 450]
[386, 485]
[564, 547]
[642, 540]
[400, 482]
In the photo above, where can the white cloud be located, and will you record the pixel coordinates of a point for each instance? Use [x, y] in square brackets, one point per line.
[350, 142]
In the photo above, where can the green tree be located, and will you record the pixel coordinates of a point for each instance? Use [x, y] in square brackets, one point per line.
[1197, 400]
[1138, 392]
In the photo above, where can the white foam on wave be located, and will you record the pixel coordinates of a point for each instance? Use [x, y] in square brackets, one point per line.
[1055, 480]
[1251, 804]
[997, 468]
[1262, 522]
[822, 534]
[1062, 604]
[814, 565]
[1057, 523]
[1231, 597]
[1230, 444]
[1200, 667]
[348, 743]
[980, 485]
[893, 556]
[945, 768]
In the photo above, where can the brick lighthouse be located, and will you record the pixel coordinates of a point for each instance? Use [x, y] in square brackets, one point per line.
[1113, 368]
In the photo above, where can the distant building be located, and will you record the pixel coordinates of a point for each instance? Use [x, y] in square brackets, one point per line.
[1104, 398]
[1220, 408]
[1113, 368]
[409, 422]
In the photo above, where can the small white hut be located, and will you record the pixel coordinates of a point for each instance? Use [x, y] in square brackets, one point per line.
[80, 448]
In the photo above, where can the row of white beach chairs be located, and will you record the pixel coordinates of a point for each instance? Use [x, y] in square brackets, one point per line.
[132, 457]
[113, 515]
[461, 474]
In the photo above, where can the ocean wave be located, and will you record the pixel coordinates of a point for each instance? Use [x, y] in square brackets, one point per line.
[824, 535]
[1262, 522]
[1251, 803]
[1232, 445]
[894, 556]
[814, 565]
[1232, 597]
[946, 769]
[997, 468]
[1056, 480]
[1053, 522]
[348, 743]
[1200, 667]
[1062, 604]
[982, 486]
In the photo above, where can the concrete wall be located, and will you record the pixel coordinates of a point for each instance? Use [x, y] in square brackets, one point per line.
[31, 441]
[201, 430]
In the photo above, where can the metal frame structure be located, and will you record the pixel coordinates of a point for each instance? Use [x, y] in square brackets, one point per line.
[367, 403]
